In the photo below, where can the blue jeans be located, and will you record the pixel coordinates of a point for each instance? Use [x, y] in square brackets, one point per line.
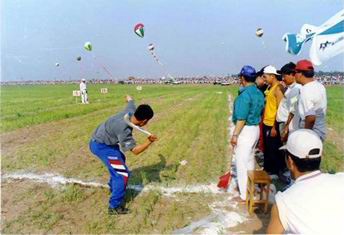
[114, 160]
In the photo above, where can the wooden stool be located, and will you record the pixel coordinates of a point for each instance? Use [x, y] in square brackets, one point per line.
[263, 180]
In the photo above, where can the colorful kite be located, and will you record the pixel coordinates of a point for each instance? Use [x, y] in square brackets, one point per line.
[259, 32]
[328, 39]
[151, 49]
[139, 30]
[88, 46]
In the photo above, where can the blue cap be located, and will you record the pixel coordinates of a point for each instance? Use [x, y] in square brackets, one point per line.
[248, 71]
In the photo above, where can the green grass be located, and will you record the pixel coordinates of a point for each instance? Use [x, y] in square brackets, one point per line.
[44, 130]
[24, 106]
[335, 108]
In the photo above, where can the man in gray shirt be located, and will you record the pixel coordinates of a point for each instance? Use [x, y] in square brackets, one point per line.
[111, 139]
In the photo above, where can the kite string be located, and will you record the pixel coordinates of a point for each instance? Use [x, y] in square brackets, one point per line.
[103, 67]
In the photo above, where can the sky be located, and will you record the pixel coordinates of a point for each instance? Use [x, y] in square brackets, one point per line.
[191, 37]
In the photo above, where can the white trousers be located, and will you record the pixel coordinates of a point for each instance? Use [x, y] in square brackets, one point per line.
[244, 155]
[84, 98]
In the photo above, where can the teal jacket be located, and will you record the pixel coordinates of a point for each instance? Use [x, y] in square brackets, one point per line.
[248, 106]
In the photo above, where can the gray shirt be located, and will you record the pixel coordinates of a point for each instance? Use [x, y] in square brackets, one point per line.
[115, 131]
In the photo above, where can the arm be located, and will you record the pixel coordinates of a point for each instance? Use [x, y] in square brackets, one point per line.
[241, 109]
[290, 117]
[279, 96]
[275, 225]
[238, 127]
[142, 147]
[285, 130]
[131, 105]
[309, 121]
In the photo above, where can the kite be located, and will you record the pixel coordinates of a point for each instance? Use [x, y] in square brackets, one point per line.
[259, 32]
[327, 39]
[78, 58]
[139, 30]
[88, 46]
[151, 49]
[57, 64]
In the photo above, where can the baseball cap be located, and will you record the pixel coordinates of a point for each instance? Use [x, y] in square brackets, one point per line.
[83, 79]
[247, 71]
[304, 65]
[304, 143]
[287, 68]
[261, 72]
[270, 70]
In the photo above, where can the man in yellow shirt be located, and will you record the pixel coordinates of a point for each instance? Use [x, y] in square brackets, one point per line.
[273, 157]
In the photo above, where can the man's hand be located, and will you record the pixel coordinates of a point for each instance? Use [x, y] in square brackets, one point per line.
[284, 134]
[234, 140]
[128, 98]
[273, 132]
[142, 147]
[152, 138]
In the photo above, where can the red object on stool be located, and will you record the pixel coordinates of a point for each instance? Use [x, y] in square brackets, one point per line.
[225, 180]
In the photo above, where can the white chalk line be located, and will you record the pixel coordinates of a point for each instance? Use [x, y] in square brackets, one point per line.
[54, 180]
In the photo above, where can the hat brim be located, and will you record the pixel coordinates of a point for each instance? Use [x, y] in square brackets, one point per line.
[283, 147]
[271, 73]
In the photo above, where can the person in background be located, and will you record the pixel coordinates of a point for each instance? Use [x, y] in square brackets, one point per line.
[273, 158]
[288, 105]
[260, 82]
[262, 86]
[312, 101]
[247, 109]
[314, 203]
[83, 91]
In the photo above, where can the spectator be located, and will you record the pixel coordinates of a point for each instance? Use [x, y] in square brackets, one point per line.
[246, 116]
[312, 102]
[262, 86]
[314, 203]
[273, 158]
[260, 81]
[288, 105]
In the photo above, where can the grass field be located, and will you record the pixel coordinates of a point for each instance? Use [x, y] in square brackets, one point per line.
[45, 131]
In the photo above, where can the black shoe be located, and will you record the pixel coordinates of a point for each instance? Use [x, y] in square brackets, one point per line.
[118, 211]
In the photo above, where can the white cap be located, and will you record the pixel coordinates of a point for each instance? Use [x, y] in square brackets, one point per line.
[270, 69]
[304, 143]
[83, 79]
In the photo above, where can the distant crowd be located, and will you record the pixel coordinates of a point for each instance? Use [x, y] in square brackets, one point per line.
[216, 80]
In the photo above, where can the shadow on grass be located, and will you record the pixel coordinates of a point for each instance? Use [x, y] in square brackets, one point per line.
[155, 173]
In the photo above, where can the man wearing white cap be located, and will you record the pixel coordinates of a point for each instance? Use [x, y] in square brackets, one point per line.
[83, 91]
[273, 158]
[314, 203]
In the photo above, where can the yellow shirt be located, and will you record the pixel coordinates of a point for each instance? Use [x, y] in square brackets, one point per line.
[270, 110]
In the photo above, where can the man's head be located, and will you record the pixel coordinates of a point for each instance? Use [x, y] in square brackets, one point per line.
[83, 80]
[260, 82]
[303, 152]
[270, 74]
[143, 114]
[247, 74]
[304, 71]
[288, 73]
